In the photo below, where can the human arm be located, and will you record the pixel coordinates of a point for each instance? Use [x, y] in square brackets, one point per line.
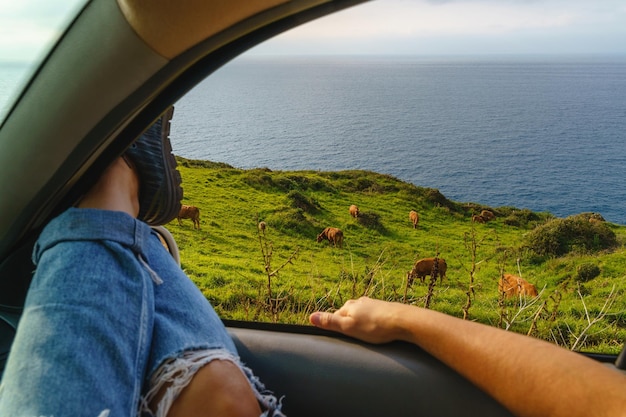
[528, 376]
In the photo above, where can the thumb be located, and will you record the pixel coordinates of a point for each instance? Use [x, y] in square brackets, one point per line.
[323, 320]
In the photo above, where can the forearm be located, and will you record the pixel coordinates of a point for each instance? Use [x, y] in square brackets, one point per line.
[530, 377]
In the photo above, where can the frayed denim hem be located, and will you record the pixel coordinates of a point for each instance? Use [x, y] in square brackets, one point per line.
[178, 372]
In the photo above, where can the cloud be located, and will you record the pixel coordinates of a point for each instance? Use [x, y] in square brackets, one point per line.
[448, 17]
[411, 22]
[28, 27]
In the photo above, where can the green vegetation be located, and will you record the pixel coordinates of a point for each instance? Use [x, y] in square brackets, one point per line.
[283, 274]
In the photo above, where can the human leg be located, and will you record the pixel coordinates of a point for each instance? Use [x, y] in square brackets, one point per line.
[193, 355]
[83, 341]
[229, 388]
[86, 334]
[117, 190]
[81, 346]
[89, 320]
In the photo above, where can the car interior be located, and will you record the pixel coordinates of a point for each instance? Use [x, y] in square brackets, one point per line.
[137, 67]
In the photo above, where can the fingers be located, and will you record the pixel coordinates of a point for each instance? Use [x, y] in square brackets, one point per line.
[328, 321]
[320, 319]
[366, 319]
[339, 321]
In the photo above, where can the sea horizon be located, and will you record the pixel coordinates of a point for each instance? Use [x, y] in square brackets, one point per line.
[536, 131]
[546, 135]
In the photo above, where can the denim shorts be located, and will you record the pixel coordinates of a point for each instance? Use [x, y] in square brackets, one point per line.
[109, 318]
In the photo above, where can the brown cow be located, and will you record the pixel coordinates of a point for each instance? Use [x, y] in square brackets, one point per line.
[333, 235]
[487, 215]
[424, 267]
[596, 217]
[354, 211]
[414, 217]
[477, 218]
[189, 212]
[513, 286]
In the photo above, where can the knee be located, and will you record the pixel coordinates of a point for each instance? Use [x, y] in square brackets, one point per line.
[218, 389]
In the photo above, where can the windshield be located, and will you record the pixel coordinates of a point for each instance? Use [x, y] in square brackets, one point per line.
[465, 130]
[501, 144]
[28, 29]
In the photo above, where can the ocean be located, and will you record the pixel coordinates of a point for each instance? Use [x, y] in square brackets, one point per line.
[543, 133]
[537, 132]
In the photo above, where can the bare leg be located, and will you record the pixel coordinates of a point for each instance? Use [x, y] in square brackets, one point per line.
[218, 389]
[117, 190]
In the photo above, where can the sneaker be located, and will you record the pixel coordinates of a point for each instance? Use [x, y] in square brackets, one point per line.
[160, 192]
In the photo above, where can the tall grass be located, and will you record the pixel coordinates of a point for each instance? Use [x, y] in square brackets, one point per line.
[284, 274]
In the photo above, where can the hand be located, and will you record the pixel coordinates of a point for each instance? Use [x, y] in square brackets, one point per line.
[370, 320]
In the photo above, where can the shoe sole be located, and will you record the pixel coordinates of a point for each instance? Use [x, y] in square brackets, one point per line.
[164, 206]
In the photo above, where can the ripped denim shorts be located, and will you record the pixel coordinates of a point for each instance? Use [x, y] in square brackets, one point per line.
[109, 320]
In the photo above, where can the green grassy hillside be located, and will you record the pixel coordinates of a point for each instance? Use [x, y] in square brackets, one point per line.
[284, 274]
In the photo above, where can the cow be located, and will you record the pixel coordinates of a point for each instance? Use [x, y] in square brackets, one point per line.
[414, 217]
[596, 217]
[333, 235]
[189, 212]
[424, 267]
[354, 211]
[477, 218]
[262, 227]
[487, 215]
[512, 286]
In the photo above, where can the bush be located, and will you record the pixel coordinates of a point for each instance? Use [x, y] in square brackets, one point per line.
[587, 272]
[371, 221]
[572, 234]
[305, 203]
[314, 183]
[259, 179]
[292, 222]
[195, 163]
[437, 199]
[520, 218]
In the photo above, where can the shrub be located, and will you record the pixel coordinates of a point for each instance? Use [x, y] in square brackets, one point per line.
[314, 183]
[437, 199]
[195, 163]
[586, 272]
[259, 179]
[305, 203]
[572, 234]
[371, 221]
[292, 222]
[520, 218]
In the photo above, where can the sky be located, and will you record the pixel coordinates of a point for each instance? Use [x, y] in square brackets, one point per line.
[389, 27]
[463, 27]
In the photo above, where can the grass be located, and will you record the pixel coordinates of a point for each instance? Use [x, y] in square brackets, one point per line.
[225, 258]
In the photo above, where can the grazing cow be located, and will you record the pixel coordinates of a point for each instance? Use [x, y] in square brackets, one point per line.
[189, 212]
[596, 217]
[333, 235]
[414, 217]
[354, 211]
[513, 286]
[487, 215]
[477, 218]
[262, 226]
[595, 220]
[424, 267]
